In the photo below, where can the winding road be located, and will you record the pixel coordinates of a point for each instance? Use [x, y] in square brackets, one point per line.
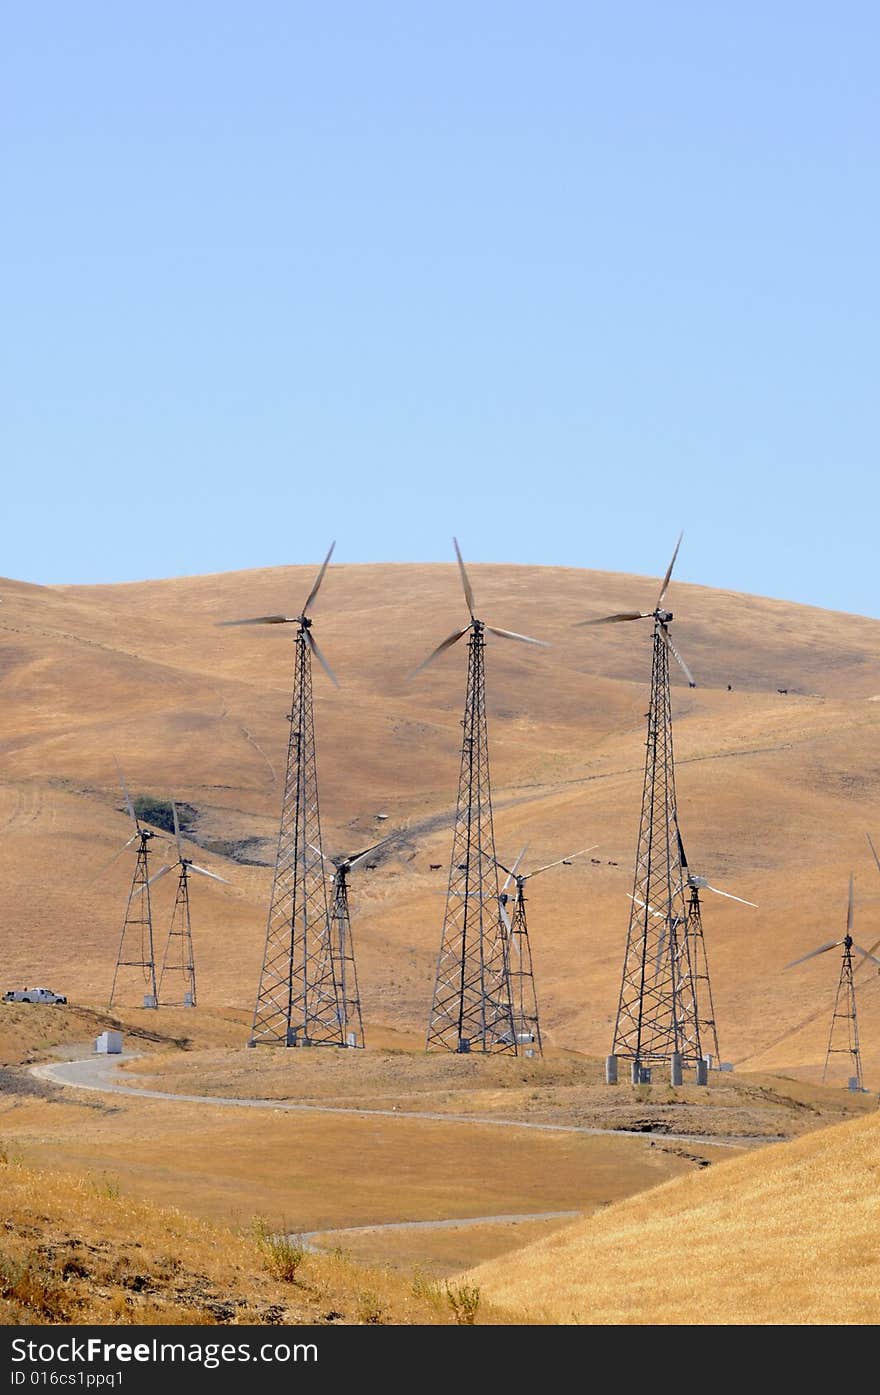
[98, 1072]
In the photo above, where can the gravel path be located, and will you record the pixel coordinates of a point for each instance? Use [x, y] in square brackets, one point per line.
[310, 1237]
[98, 1072]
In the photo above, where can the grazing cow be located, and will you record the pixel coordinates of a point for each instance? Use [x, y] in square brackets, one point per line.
[435, 866]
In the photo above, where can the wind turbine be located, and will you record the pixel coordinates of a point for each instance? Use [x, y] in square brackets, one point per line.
[527, 1027]
[472, 1005]
[179, 948]
[298, 995]
[695, 951]
[350, 1018]
[136, 940]
[656, 1013]
[844, 1023]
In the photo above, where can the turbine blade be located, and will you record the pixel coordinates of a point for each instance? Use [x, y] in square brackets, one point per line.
[203, 872]
[177, 831]
[465, 580]
[510, 634]
[652, 909]
[313, 645]
[111, 860]
[359, 857]
[453, 639]
[832, 944]
[163, 871]
[661, 946]
[505, 917]
[262, 620]
[849, 907]
[666, 578]
[868, 959]
[321, 855]
[730, 896]
[520, 858]
[511, 871]
[314, 591]
[535, 870]
[873, 850]
[867, 953]
[128, 804]
[692, 682]
[614, 619]
[681, 857]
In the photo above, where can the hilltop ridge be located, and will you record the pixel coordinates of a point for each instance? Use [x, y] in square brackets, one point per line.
[776, 789]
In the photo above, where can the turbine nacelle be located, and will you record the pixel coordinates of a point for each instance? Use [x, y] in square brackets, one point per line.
[303, 620]
[520, 878]
[661, 618]
[185, 864]
[702, 883]
[474, 625]
[343, 865]
[846, 939]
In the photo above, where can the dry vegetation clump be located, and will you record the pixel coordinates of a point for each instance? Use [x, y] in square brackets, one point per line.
[283, 1253]
[786, 1235]
[73, 1252]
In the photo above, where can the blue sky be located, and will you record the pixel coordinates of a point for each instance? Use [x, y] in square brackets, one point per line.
[560, 279]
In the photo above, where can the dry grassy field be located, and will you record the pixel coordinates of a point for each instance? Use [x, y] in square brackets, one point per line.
[73, 1252]
[776, 791]
[338, 1163]
[786, 1236]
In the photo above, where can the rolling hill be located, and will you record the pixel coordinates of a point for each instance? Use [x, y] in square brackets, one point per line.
[776, 789]
[785, 1236]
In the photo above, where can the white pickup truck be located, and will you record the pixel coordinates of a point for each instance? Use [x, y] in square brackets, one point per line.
[33, 995]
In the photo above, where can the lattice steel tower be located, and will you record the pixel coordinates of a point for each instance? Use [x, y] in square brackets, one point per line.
[697, 957]
[472, 1005]
[843, 1038]
[342, 942]
[179, 958]
[524, 997]
[136, 940]
[298, 1000]
[657, 1012]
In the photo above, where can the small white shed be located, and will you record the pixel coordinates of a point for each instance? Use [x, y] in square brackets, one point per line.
[109, 1043]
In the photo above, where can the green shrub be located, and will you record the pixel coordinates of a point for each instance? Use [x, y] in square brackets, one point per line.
[158, 813]
[464, 1302]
